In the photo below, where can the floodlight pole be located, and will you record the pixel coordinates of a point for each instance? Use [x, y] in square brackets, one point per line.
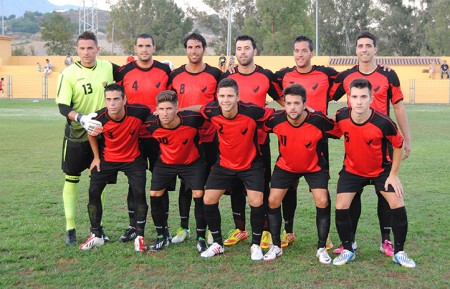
[229, 29]
[317, 27]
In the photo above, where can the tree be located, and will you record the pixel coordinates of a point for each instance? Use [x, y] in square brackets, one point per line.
[161, 18]
[217, 22]
[340, 21]
[437, 29]
[279, 22]
[398, 29]
[58, 31]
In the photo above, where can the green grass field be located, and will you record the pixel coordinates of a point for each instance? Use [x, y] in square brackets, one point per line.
[32, 225]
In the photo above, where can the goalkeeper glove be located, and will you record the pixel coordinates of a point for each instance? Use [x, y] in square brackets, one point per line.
[92, 126]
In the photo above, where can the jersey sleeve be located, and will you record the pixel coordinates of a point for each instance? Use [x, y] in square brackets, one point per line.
[394, 86]
[64, 91]
[275, 91]
[338, 90]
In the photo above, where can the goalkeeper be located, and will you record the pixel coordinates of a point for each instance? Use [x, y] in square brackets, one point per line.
[80, 92]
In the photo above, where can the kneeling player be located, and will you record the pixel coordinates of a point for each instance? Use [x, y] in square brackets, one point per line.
[366, 135]
[299, 133]
[121, 124]
[177, 133]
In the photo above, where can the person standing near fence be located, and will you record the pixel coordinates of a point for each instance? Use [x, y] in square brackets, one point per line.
[80, 92]
[1, 86]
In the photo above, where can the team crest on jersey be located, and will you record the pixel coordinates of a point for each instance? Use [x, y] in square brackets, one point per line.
[376, 88]
[204, 89]
[315, 86]
[256, 89]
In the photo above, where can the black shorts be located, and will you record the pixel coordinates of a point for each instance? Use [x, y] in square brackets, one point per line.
[221, 178]
[282, 179]
[76, 157]
[135, 172]
[351, 183]
[193, 175]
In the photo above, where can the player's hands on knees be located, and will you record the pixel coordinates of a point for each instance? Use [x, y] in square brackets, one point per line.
[95, 164]
[92, 126]
[394, 181]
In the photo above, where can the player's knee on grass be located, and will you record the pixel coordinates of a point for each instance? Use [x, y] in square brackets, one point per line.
[393, 200]
[321, 198]
[255, 198]
[197, 193]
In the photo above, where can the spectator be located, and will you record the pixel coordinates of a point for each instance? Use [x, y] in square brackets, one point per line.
[39, 67]
[231, 63]
[444, 69]
[1, 86]
[48, 67]
[432, 70]
[68, 61]
[222, 62]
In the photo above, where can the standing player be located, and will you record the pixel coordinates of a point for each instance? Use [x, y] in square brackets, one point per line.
[121, 123]
[142, 80]
[317, 80]
[239, 158]
[195, 84]
[177, 133]
[299, 136]
[80, 91]
[366, 134]
[1, 86]
[386, 88]
[254, 84]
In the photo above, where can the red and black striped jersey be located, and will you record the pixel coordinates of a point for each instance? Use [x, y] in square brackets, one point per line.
[254, 88]
[142, 85]
[317, 82]
[179, 145]
[194, 89]
[366, 152]
[385, 87]
[238, 143]
[121, 137]
[298, 151]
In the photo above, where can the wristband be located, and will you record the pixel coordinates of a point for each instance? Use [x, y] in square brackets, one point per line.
[78, 117]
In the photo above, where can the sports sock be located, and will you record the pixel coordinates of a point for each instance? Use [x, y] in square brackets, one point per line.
[199, 218]
[257, 222]
[384, 217]
[165, 204]
[399, 228]
[274, 216]
[238, 203]
[158, 214]
[212, 218]
[184, 205]
[355, 213]
[70, 198]
[141, 218]
[344, 228]
[130, 203]
[323, 224]
[289, 205]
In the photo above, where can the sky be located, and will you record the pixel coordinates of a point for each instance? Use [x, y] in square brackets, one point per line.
[101, 4]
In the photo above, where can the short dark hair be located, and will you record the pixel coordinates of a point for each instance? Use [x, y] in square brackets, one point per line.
[144, 36]
[303, 38]
[361, 83]
[295, 89]
[115, 87]
[228, 82]
[367, 34]
[87, 35]
[246, 38]
[167, 96]
[195, 36]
